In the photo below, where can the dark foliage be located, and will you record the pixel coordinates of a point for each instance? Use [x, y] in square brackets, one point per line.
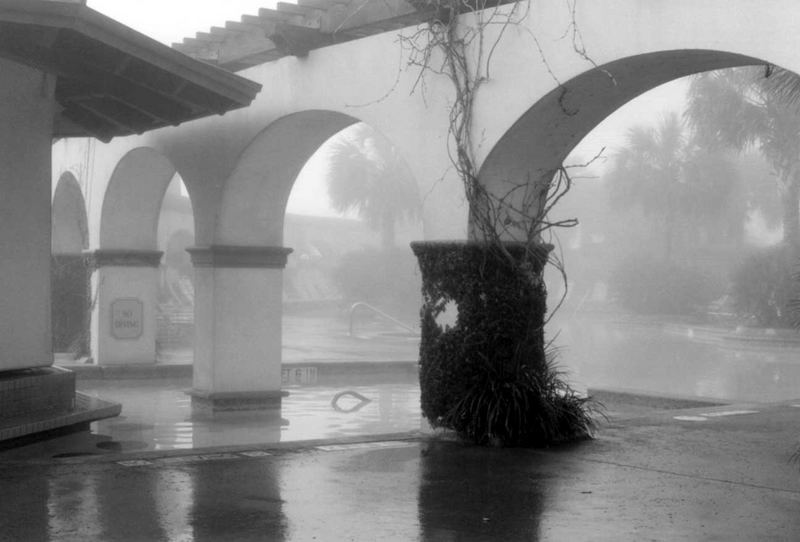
[793, 307]
[647, 285]
[487, 376]
[71, 303]
[762, 286]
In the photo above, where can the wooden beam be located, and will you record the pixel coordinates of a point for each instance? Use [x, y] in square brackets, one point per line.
[297, 40]
[115, 112]
[155, 105]
[93, 124]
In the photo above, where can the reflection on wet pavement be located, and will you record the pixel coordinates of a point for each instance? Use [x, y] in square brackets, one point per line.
[158, 415]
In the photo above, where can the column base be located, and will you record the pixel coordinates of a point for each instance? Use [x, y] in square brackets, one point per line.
[38, 403]
[233, 401]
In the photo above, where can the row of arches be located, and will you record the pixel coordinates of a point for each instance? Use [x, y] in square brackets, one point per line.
[251, 207]
[235, 283]
[239, 193]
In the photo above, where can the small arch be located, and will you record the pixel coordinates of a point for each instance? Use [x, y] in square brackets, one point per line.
[70, 229]
[175, 319]
[256, 193]
[371, 208]
[70, 270]
[132, 202]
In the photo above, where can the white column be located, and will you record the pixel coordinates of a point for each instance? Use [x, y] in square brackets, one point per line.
[124, 318]
[238, 314]
[26, 131]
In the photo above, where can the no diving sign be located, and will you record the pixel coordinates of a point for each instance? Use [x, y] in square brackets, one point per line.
[127, 318]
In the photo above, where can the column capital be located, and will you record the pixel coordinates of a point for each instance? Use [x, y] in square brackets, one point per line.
[112, 257]
[233, 256]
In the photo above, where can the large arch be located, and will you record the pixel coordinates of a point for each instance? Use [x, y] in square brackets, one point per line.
[539, 141]
[535, 146]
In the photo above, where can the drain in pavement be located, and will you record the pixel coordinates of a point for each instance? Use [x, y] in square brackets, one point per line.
[121, 445]
[65, 455]
[706, 415]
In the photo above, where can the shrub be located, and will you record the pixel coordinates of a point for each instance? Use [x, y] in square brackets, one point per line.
[488, 376]
[646, 285]
[70, 277]
[762, 286]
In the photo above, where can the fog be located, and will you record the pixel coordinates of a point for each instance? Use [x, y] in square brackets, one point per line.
[671, 289]
[678, 281]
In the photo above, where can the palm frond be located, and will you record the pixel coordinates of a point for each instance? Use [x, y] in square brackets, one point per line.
[783, 84]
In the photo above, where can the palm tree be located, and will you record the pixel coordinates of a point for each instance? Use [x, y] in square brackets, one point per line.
[754, 107]
[676, 182]
[366, 175]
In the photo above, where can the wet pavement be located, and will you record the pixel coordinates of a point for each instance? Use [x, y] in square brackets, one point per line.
[653, 475]
[374, 368]
[660, 468]
[158, 414]
[668, 359]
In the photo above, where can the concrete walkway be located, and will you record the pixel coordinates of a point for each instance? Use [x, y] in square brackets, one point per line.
[704, 473]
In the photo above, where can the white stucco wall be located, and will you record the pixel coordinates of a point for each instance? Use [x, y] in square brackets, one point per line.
[26, 113]
[238, 168]
[367, 80]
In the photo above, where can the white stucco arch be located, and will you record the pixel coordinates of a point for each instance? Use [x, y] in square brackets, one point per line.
[254, 200]
[70, 223]
[70, 268]
[253, 203]
[132, 200]
[535, 146]
[641, 44]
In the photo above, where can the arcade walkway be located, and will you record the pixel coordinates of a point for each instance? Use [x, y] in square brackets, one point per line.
[653, 473]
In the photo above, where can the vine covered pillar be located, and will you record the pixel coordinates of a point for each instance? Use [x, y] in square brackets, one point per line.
[238, 319]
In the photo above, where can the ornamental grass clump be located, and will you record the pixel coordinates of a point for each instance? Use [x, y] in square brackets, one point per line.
[526, 407]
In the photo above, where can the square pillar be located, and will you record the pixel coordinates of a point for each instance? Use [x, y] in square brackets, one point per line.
[238, 326]
[124, 318]
[26, 130]
[34, 397]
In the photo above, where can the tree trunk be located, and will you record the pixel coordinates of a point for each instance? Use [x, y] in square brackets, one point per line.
[669, 231]
[790, 200]
[387, 231]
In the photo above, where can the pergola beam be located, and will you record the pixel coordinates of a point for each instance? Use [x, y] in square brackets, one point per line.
[297, 29]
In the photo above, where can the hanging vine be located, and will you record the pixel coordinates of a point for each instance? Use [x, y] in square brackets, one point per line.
[491, 377]
[463, 54]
